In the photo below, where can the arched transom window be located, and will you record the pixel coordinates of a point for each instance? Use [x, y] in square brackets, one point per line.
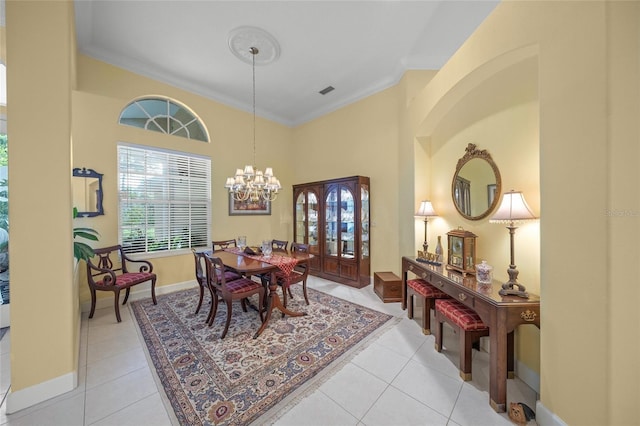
[164, 116]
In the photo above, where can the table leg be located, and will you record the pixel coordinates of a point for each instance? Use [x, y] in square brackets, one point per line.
[273, 301]
[498, 361]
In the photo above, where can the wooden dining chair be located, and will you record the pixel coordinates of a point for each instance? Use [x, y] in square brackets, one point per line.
[201, 278]
[279, 245]
[111, 272]
[230, 290]
[223, 244]
[299, 275]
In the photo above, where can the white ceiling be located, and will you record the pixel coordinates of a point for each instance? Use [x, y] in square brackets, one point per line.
[358, 47]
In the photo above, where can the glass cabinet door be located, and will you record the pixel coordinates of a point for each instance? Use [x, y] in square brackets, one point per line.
[347, 228]
[312, 221]
[301, 218]
[331, 222]
[306, 220]
[364, 220]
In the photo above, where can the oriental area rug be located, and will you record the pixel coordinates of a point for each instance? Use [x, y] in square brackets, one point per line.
[235, 380]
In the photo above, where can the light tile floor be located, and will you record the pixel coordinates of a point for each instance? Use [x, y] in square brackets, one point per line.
[398, 379]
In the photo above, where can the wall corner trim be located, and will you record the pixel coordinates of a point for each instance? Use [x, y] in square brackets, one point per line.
[544, 417]
[24, 398]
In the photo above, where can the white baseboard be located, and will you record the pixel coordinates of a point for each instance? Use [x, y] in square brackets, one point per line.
[544, 417]
[527, 375]
[138, 292]
[24, 398]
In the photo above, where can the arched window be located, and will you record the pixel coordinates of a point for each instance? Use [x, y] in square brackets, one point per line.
[164, 116]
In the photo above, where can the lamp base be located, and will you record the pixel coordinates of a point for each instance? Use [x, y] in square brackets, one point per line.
[513, 287]
[425, 247]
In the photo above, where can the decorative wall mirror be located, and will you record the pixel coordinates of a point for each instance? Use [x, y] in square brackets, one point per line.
[476, 185]
[87, 192]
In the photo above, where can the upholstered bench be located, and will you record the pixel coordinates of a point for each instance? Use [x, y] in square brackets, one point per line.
[466, 323]
[428, 293]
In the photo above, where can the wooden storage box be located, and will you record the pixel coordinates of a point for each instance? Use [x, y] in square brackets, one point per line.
[388, 286]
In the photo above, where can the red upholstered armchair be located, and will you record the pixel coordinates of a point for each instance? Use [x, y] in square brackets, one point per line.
[111, 273]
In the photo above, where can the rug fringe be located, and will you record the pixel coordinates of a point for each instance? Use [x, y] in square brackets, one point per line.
[279, 410]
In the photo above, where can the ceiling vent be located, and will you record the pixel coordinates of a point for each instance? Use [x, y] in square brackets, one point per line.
[326, 90]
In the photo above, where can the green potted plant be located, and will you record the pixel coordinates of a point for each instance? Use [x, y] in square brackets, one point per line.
[83, 250]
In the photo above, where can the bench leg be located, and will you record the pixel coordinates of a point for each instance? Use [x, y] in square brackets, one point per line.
[439, 320]
[426, 315]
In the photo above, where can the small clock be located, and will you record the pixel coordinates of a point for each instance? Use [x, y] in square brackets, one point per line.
[462, 251]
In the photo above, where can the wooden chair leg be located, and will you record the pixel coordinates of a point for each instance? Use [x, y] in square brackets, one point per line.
[200, 300]
[304, 291]
[116, 297]
[93, 303]
[153, 291]
[214, 310]
[126, 295]
[226, 326]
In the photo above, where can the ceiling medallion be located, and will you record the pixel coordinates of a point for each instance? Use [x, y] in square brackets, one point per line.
[242, 39]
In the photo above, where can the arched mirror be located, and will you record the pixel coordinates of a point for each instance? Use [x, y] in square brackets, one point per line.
[476, 185]
[87, 192]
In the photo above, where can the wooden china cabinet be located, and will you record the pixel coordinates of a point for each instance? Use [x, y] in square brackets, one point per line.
[332, 216]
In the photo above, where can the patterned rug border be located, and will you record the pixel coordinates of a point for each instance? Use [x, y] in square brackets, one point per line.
[276, 412]
[161, 390]
[303, 390]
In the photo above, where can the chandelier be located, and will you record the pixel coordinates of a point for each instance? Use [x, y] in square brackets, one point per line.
[250, 183]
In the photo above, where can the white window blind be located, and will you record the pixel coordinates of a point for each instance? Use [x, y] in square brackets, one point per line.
[165, 199]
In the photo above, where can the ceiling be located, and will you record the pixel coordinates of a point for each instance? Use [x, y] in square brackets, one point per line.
[358, 47]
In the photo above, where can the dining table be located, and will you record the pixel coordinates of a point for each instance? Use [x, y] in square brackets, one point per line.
[257, 264]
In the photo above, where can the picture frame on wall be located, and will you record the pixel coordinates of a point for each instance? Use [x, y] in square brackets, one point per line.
[249, 207]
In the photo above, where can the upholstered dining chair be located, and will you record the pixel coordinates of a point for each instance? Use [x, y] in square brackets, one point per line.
[223, 244]
[299, 275]
[228, 291]
[279, 244]
[201, 278]
[111, 273]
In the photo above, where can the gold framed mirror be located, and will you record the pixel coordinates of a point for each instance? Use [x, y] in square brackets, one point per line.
[476, 185]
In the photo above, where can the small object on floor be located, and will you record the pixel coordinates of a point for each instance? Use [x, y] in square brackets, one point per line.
[520, 413]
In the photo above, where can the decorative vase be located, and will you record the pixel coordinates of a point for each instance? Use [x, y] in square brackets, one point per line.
[439, 249]
[484, 273]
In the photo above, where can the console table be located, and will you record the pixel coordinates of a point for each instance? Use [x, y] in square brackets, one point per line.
[502, 314]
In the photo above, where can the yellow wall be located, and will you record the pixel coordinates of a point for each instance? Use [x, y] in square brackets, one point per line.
[104, 90]
[587, 66]
[549, 88]
[44, 302]
[360, 139]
